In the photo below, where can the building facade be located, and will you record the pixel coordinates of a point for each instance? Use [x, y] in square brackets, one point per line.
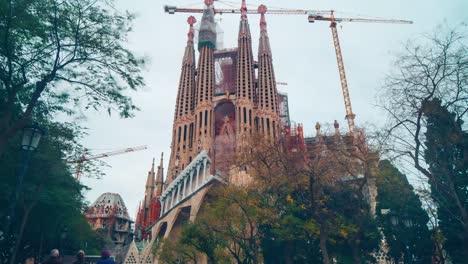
[224, 98]
[110, 214]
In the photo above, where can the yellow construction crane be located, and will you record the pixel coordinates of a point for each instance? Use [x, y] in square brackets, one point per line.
[339, 58]
[313, 15]
[84, 157]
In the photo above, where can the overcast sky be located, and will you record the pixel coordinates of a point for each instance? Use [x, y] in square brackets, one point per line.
[303, 56]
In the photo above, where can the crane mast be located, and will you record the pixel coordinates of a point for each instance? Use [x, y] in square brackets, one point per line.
[344, 83]
[313, 15]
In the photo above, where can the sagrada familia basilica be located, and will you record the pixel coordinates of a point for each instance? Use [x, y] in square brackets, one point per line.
[223, 98]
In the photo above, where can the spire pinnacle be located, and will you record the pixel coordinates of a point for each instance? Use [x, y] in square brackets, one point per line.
[191, 20]
[262, 9]
[152, 166]
[159, 177]
[243, 10]
[161, 162]
[264, 45]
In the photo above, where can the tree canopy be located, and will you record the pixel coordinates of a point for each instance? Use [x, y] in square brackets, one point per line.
[447, 158]
[285, 210]
[396, 198]
[60, 55]
[49, 213]
[425, 98]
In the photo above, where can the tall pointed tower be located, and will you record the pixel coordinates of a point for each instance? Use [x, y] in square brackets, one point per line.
[149, 188]
[268, 114]
[245, 79]
[159, 178]
[183, 128]
[204, 120]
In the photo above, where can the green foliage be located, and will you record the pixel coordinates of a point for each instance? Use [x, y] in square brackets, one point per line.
[425, 98]
[175, 252]
[277, 219]
[50, 201]
[396, 194]
[447, 157]
[63, 54]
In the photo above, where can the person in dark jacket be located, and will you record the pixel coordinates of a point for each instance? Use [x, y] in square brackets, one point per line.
[54, 257]
[105, 258]
[80, 257]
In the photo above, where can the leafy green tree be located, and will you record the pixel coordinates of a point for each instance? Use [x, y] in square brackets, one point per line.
[396, 197]
[200, 236]
[175, 252]
[63, 54]
[447, 158]
[49, 211]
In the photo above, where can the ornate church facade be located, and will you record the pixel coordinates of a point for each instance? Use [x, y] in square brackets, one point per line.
[223, 98]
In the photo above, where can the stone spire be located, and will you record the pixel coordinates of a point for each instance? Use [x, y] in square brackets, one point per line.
[159, 178]
[264, 44]
[184, 104]
[182, 136]
[245, 79]
[244, 29]
[268, 112]
[203, 139]
[150, 185]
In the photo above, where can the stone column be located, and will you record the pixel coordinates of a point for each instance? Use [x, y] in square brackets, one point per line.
[162, 208]
[191, 179]
[198, 175]
[205, 161]
[172, 197]
[184, 189]
[179, 195]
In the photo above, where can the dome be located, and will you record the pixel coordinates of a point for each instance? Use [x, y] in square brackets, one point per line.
[108, 205]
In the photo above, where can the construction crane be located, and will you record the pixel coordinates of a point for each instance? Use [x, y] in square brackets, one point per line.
[173, 9]
[313, 15]
[84, 157]
[339, 58]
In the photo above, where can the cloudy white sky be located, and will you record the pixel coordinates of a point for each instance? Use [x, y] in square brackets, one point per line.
[303, 56]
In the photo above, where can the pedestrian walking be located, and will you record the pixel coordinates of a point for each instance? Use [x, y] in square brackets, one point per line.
[29, 259]
[54, 257]
[105, 258]
[80, 257]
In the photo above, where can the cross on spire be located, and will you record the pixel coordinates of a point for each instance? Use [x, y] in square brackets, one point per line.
[243, 10]
[191, 20]
[262, 9]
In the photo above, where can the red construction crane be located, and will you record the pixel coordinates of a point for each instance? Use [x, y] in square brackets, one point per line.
[84, 157]
[313, 15]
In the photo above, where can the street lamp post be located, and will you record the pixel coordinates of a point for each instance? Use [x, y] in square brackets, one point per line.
[407, 223]
[31, 137]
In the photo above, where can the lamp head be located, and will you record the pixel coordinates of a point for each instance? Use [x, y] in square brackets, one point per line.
[31, 137]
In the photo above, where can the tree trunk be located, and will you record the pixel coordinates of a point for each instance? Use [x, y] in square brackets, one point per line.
[287, 255]
[39, 254]
[20, 234]
[356, 252]
[3, 145]
[323, 244]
